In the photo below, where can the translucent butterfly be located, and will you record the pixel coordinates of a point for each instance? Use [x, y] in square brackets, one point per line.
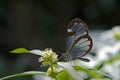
[79, 43]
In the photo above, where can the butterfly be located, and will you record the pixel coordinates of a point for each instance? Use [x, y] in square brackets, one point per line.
[79, 42]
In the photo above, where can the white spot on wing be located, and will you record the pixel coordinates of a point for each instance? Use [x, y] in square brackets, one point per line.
[69, 30]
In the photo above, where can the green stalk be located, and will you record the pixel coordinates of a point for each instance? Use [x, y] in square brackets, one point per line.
[28, 73]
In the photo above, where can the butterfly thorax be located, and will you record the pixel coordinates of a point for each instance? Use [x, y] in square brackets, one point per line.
[68, 56]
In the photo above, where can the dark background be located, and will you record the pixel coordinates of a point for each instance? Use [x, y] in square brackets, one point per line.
[40, 24]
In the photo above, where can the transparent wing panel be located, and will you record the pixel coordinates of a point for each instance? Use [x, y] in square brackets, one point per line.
[79, 29]
[80, 48]
[70, 40]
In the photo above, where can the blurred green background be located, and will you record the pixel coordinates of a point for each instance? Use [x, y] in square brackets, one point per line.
[40, 24]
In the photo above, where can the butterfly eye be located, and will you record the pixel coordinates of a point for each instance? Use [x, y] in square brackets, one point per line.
[79, 43]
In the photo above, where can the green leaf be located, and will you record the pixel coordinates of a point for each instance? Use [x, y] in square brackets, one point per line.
[28, 73]
[89, 72]
[19, 50]
[117, 36]
[103, 73]
[93, 73]
[73, 74]
[63, 75]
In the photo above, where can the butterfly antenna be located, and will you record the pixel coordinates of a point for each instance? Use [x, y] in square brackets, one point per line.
[59, 53]
[60, 58]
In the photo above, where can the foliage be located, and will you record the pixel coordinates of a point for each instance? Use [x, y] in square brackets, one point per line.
[60, 70]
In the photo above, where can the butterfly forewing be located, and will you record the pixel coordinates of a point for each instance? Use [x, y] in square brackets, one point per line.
[79, 42]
